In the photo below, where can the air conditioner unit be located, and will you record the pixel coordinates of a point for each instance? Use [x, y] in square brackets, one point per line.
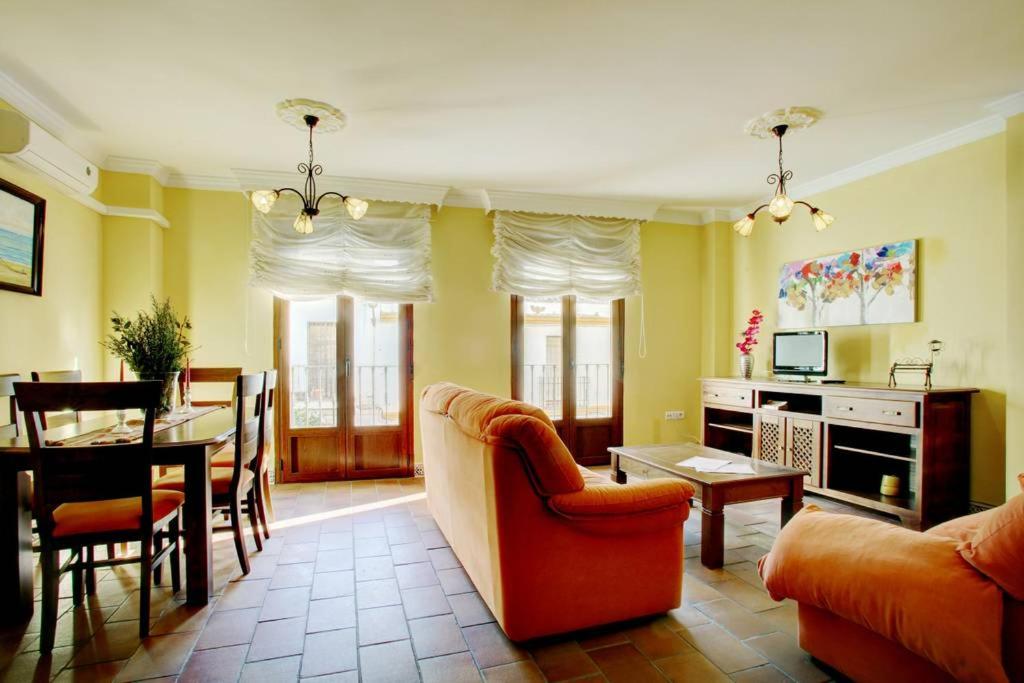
[33, 147]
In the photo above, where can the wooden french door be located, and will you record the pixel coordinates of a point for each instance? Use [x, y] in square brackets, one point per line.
[345, 408]
[568, 358]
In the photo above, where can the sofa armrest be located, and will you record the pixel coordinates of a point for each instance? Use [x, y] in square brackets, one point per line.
[617, 509]
[909, 587]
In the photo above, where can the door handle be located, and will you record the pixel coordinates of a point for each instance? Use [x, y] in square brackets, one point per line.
[348, 366]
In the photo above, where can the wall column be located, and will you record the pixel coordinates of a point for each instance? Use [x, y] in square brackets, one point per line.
[1014, 302]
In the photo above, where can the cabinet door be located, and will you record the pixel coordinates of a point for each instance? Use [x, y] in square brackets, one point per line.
[803, 448]
[771, 439]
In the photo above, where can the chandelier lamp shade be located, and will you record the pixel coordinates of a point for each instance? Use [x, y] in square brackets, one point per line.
[263, 200]
[781, 204]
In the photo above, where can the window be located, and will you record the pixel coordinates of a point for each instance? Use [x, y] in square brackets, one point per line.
[567, 358]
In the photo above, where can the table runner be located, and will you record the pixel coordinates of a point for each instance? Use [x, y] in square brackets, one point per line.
[104, 437]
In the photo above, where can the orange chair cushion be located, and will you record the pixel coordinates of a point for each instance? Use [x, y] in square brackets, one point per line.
[225, 457]
[997, 548]
[549, 461]
[961, 528]
[220, 480]
[118, 514]
[909, 587]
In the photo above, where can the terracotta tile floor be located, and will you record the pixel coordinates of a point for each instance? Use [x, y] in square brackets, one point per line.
[358, 584]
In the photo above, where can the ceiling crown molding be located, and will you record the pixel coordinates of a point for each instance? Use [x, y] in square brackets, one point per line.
[46, 117]
[500, 200]
[1008, 106]
[148, 167]
[679, 215]
[197, 181]
[364, 188]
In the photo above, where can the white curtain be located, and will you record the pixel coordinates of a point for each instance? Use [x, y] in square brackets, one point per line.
[548, 256]
[384, 256]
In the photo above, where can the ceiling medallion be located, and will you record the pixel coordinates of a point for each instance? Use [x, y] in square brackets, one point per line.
[312, 115]
[776, 123]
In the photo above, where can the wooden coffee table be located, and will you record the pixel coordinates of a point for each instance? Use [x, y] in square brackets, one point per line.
[715, 491]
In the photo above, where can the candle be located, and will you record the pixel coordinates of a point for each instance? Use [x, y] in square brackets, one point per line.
[122, 369]
[188, 373]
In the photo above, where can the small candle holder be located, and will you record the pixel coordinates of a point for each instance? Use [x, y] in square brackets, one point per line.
[122, 423]
[186, 402]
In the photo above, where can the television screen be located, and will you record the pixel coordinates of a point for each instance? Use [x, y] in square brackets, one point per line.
[800, 353]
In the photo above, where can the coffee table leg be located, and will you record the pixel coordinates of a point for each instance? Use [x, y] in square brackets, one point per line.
[712, 531]
[792, 503]
[618, 476]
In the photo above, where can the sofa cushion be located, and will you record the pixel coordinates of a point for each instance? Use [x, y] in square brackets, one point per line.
[909, 587]
[962, 528]
[473, 412]
[438, 397]
[997, 547]
[551, 466]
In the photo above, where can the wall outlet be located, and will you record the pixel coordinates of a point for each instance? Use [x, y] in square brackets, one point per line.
[675, 414]
[419, 470]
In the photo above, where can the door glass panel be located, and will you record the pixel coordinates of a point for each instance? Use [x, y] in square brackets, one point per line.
[593, 360]
[312, 351]
[375, 364]
[542, 355]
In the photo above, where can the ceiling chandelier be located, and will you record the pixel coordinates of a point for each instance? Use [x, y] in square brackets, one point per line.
[780, 207]
[308, 114]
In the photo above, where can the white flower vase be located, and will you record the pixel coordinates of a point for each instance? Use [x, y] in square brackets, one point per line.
[746, 365]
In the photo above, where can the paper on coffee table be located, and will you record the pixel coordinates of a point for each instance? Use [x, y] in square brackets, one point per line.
[702, 464]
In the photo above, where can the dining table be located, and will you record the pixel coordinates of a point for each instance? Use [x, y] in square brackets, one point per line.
[189, 444]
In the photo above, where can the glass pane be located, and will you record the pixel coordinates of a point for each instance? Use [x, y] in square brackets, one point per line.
[593, 360]
[542, 355]
[375, 362]
[312, 350]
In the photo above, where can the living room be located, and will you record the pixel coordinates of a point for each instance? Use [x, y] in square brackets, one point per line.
[563, 206]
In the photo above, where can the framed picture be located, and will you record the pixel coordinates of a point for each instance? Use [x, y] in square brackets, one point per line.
[867, 286]
[22, 215]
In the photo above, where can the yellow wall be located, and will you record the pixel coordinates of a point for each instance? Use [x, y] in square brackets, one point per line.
[666, 379]
[61, 329]
[1015, 305]
[954, 203]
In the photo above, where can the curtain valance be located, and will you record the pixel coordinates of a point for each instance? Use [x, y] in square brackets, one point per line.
[546, 256]
[384, 256]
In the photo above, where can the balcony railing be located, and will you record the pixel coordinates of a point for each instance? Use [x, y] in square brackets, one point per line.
[542, 387]
[314, 398]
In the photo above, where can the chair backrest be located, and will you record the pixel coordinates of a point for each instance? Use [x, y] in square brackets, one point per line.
[78, 474]
[10, 430]
[248, 422]
[269, 384]
[63, 416]
[209, 376]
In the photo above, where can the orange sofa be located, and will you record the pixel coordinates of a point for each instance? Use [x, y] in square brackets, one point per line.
[551, 547]
[881, 603]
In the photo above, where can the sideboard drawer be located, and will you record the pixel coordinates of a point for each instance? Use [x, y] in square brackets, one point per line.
[882, 411]
[726, 394]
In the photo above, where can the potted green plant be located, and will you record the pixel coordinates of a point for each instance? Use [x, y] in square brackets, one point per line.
[153, 346]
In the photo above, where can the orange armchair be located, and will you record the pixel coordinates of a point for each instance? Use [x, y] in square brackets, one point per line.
[551, 547]
[882, 603]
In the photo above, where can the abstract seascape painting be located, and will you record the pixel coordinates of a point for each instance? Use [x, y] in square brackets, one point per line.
[866, 286]
[21, 239]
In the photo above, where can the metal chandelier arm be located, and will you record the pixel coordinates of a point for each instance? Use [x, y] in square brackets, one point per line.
[336, 194]
[291, 189]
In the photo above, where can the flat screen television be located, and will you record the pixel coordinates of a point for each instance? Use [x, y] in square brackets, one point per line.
[800, 353]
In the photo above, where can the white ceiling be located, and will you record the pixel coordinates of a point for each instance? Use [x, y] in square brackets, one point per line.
[635, 100]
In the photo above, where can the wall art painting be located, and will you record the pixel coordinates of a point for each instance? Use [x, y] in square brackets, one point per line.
[21, 239]
[865, 286]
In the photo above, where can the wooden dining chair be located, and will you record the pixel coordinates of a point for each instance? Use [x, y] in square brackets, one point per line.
[225, 457]
[10, 430]
[233, 487]
[209, 376]
[62, 416]
[91, 495]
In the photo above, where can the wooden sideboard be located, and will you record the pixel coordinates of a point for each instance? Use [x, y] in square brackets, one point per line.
[846, 436]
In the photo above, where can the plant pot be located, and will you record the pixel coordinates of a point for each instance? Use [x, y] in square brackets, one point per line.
[169, 393]
[746, 365]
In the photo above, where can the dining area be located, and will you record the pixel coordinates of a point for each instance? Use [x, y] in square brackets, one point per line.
[130, 477]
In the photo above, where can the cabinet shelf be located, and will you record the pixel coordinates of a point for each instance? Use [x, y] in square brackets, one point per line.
[880, 454]
[745, 429]
[875, 500]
